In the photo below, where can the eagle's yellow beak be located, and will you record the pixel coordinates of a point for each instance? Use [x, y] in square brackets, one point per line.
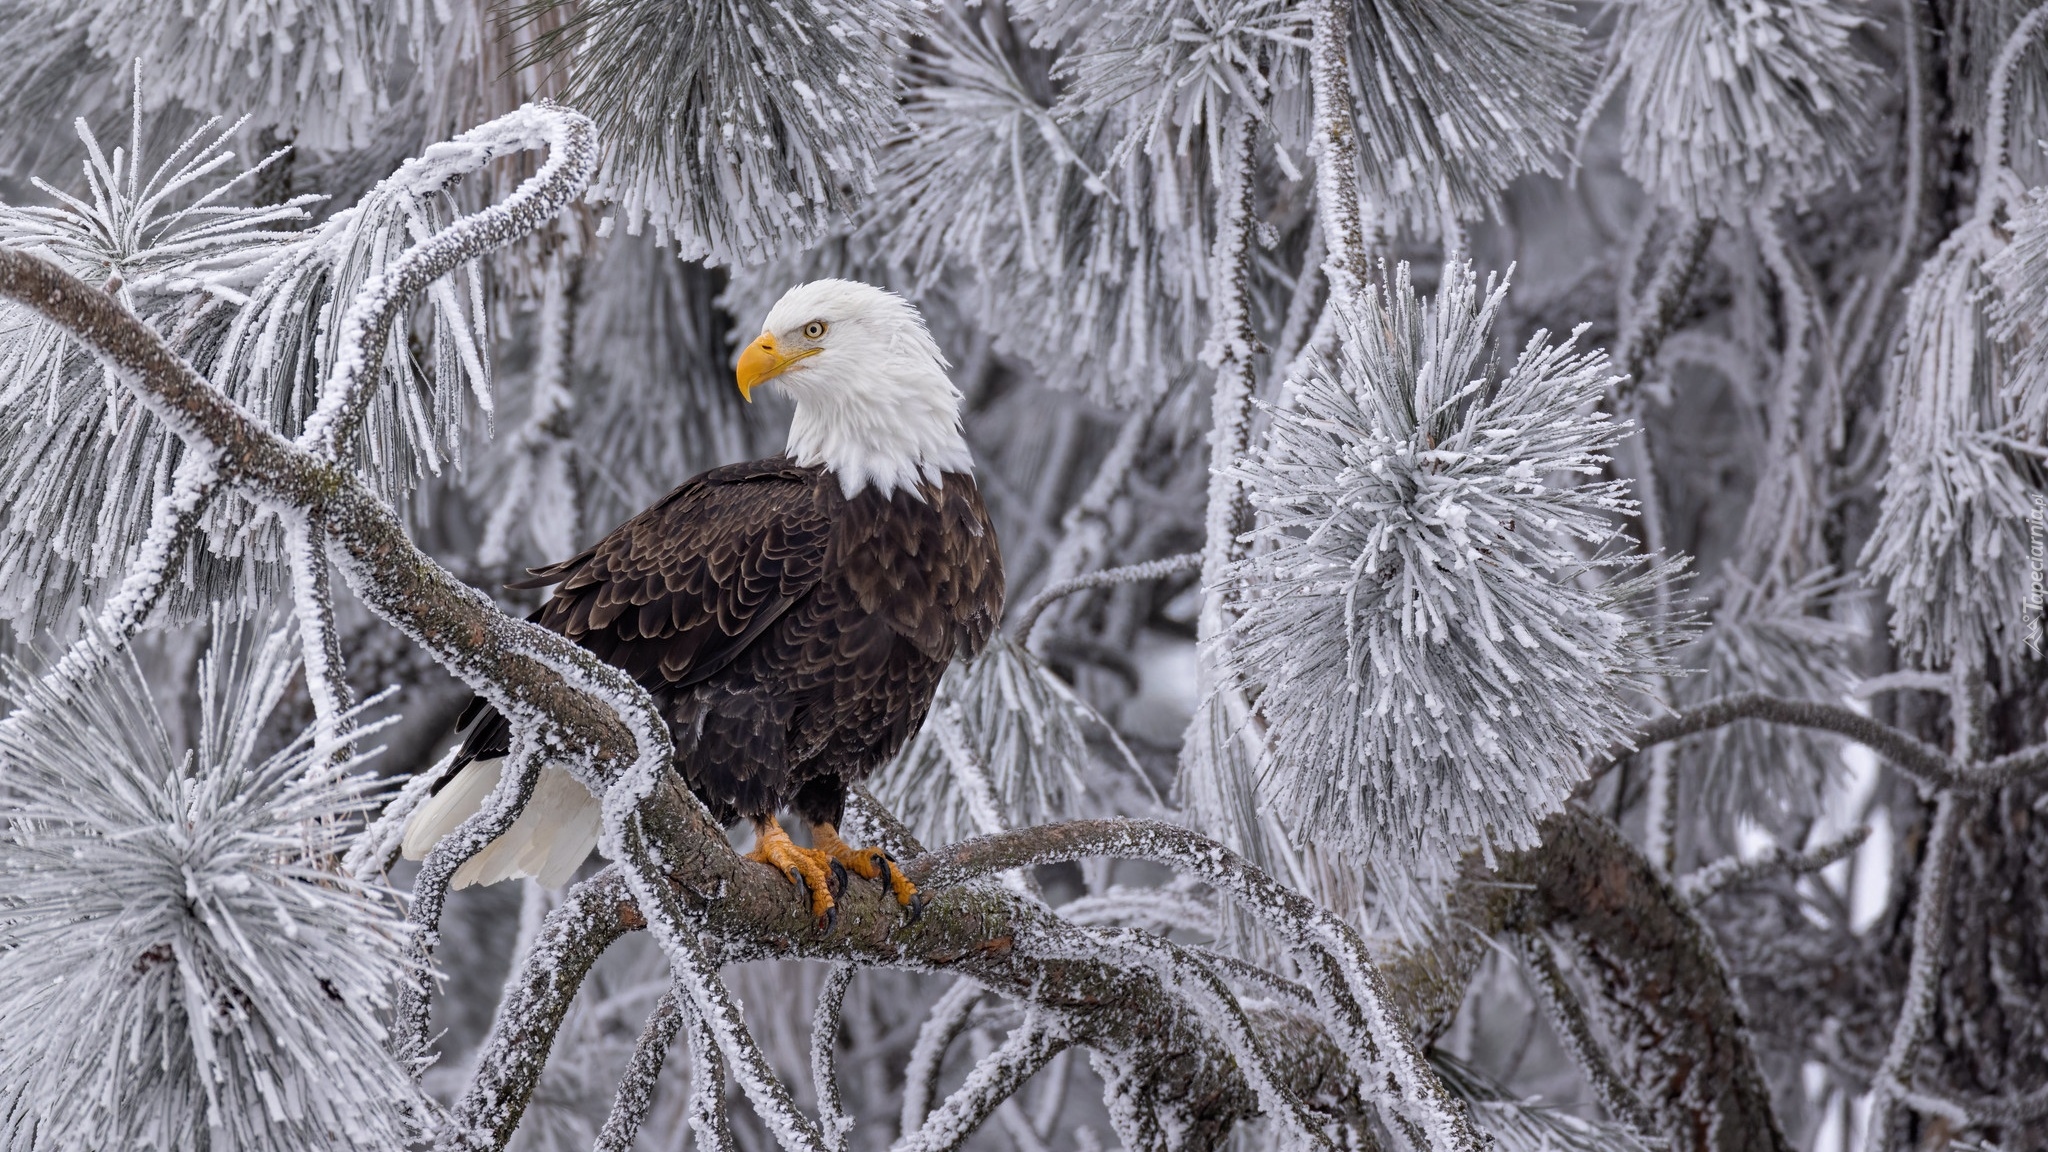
[762, 361]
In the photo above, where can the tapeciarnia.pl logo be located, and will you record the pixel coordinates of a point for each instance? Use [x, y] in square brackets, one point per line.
[2036, 592]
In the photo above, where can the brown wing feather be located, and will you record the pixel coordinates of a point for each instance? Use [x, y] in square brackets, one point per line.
[673, 594]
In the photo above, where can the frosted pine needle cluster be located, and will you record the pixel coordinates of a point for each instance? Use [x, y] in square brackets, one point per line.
[172, 241]
[1096, 274]
[1735, 102]
[1790, 638]
[738, 128]
[1455, 98]
[181, 967]
[1437, 609]
[1950, 546]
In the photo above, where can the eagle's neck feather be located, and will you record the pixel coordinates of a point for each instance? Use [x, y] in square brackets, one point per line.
[895, 425]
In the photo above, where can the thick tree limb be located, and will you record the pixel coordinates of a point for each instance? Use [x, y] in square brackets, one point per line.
[1654, 982]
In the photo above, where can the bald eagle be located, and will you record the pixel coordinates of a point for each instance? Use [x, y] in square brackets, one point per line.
[790, 616]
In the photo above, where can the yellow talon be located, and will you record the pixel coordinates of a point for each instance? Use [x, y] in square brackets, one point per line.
[867, 863]
[773, 847]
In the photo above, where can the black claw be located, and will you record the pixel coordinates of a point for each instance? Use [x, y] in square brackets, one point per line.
[882, 861]
[838, 882]
[827, 920]
[916, 906]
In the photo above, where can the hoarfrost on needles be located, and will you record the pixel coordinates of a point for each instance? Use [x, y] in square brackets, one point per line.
[181, 966]
[1437, 610]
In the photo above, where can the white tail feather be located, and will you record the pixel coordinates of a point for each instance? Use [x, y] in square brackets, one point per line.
[549, 840]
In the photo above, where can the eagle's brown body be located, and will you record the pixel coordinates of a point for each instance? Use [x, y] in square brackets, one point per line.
[792, 636]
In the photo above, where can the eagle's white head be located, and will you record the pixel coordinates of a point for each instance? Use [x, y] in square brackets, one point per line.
[873, 403]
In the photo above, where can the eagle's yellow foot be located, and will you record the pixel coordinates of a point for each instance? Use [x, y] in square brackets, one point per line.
[814, 869]
[869, 864]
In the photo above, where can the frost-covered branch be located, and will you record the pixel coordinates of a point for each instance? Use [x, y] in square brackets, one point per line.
[1141, 573]
[635, 1093]
[1734, 872]
[1567, 1016]
[1923, 974]
[593, 914]
[1663, 300]
[1916, 757]
[1345, 263]
[1231, 353]
[571, 141]
[1347, 985]
[991, 1082]
[313, 603]
[941, 1026]
[833, 1122]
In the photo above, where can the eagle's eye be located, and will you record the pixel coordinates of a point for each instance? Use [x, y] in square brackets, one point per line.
[814, 329]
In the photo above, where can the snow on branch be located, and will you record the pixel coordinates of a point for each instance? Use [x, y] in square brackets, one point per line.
[947, 1018]
[1436, 542]
[571, 141]
[740, 132]
[1141, 573]
[179, 964]
[1190, 981]
[1931, 906]
[1567, 1016]
[1378, 1044]
[636, 1086]
[1733, 871]
[995, 1079]
[593, 914]
[833, 1122]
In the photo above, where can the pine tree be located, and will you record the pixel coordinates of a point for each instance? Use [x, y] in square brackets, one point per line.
[1524, 529]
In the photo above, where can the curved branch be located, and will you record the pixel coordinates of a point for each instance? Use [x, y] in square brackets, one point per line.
[1665, 297]
[571, 141]
[412, 1025]
[1921, 760]
[1930, 937]
[1108, 577]
[832, 1117]
[313, 604]
[992, 1081]
[593, 914]
[1190, 981]
[708, 1118]
[945, 1022]
[635, 1094]
[1733, 871]
[1575, 1032]
[1379, 1045]
[174, 517]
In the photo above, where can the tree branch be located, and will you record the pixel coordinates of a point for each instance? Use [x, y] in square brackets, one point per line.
[1919, 759]
[992, 1081]
[1108, 577]
[571, 141]
[1348, 987]
[1923, 973]
[832, 1117]
[1733, 871]
[635, 1094]
[1664, 299]
[1568, 1020]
